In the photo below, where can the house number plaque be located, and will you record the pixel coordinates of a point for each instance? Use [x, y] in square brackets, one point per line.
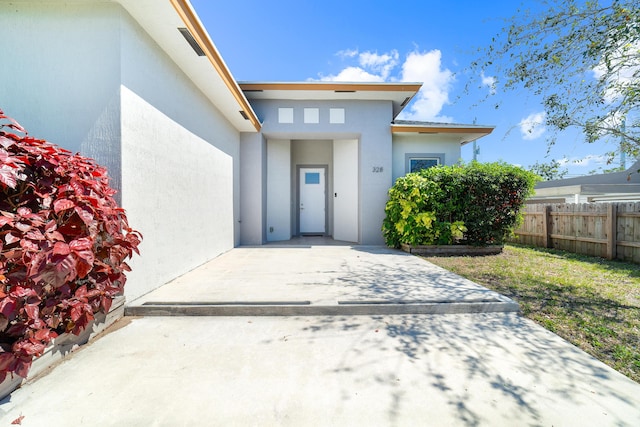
[377, 169]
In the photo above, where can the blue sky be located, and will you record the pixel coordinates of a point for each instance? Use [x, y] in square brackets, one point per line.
[420, 40]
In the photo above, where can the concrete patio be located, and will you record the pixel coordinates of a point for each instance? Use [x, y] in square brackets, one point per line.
[308, 277]
[485, 367]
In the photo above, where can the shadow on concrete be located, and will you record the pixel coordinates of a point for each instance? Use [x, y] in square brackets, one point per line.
[523, 369]
[363, 280]
[405, 277]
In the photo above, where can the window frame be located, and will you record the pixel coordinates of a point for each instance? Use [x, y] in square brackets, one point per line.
[408, 157]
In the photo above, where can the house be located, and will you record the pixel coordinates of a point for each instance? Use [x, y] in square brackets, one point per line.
[203, 163]
[621, 186]
[327, 154]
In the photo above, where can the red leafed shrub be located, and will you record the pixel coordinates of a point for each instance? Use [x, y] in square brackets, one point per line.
[63, 245]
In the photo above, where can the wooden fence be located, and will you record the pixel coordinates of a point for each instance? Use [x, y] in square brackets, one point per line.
[607, 230]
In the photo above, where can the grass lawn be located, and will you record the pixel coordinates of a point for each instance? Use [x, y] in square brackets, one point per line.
[591, 302]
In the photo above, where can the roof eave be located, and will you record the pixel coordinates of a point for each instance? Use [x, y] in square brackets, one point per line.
[331, 86]
[587, 189]
[467, 133]
[195, 26]
[162, 21]
[399, 93]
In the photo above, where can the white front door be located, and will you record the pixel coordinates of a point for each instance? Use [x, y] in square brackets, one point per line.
[312, 200]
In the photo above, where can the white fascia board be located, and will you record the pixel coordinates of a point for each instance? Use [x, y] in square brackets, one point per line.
[558, 191]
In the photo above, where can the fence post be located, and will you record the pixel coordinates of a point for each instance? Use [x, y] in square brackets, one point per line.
[612, 223]
[545, 226]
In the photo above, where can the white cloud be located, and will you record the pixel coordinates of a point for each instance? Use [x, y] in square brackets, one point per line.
[353, 74]
[382, 64]
[626, 74]
[613, 120]
[373, 67]
[347, 53]
[589, 160]
[426, 67]
[532, 126]
[489, 81]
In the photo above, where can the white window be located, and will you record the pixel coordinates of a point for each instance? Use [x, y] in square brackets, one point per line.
[336, 115]
[285, 115]
[312, 115]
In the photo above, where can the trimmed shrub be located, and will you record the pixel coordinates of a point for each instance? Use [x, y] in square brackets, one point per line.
[411, 217]
[63, 245]
[476, 204]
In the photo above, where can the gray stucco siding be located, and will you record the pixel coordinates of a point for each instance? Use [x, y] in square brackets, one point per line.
[89, 78]
[368, 122]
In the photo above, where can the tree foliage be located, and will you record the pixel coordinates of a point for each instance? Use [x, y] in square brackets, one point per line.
[582, 58]
[549, 171]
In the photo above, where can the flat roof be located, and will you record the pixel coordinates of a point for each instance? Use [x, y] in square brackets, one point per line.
[466, 133]
[587, 189]
[400, 94]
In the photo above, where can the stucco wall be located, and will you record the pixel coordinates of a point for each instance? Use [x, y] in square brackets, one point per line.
[180, 166]
[60, 75]
[253, 173]
[417, 143]
[375, 171]
[278, 190]
[366, 121]
[345, 190]
[87, 77]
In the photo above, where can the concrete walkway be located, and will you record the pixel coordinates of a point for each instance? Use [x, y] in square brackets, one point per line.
[474, 369]
[319, 280]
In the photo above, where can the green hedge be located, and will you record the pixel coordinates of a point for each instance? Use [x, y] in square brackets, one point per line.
[476, 204]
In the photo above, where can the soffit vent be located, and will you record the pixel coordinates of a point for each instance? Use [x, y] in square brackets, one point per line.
[192, 42]
[344, 91]
[244, 115]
